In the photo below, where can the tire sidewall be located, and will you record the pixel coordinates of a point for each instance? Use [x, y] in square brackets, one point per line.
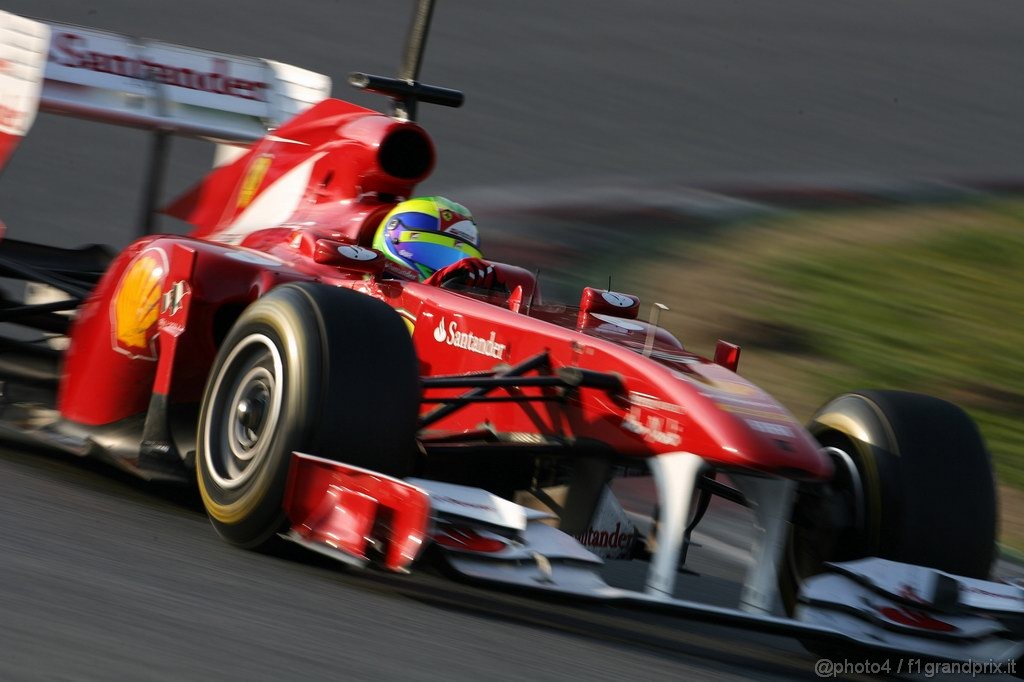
[246, 514]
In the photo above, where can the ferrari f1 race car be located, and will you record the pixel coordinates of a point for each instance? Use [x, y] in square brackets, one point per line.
[275, 360]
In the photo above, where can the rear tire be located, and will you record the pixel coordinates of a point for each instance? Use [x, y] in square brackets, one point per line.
[927, 493]
[308, 368]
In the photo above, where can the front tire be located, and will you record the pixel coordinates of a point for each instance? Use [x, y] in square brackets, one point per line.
[308, 368]
[915, 485]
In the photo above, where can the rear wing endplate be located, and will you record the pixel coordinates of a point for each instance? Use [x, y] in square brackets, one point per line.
[22, 58]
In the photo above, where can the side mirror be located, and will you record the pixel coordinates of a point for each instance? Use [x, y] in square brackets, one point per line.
[348, 256]
[727, 355]
[600, 302]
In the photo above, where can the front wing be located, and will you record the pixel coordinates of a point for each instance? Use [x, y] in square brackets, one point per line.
[872, 605]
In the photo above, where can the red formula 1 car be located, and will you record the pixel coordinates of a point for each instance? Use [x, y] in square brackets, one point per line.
[314, 397]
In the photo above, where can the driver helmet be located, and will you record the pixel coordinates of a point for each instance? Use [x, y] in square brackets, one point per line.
[425, 234]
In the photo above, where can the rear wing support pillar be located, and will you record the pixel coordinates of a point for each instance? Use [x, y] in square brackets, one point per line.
[159, 149]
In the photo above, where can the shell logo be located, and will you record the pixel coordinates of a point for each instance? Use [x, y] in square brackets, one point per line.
[136, 305]
[253, 179]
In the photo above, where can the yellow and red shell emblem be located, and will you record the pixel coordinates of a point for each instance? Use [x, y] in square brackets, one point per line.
[254, 176]
[136, 305]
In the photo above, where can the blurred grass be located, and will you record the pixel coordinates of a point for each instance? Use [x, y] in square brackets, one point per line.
[941, 312]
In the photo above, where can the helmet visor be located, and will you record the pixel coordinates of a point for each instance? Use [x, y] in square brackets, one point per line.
[431, 251]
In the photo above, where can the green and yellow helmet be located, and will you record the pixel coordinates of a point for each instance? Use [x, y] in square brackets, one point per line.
[428, 233]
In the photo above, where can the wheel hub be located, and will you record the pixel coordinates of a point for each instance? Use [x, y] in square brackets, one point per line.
[244, 415]
[250, 415]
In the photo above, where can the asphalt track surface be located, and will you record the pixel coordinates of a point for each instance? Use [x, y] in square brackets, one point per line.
[103, 577]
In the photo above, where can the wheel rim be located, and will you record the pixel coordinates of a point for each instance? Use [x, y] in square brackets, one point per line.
[242, 418]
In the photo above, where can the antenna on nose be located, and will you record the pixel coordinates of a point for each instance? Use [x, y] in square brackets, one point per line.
[407, 91]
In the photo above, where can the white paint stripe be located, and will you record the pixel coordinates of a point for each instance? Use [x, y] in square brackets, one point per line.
[275, 204]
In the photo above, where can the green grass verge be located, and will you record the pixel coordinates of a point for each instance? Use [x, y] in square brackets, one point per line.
[941, 312]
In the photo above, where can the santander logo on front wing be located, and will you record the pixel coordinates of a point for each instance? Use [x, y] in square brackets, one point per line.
[450, 335]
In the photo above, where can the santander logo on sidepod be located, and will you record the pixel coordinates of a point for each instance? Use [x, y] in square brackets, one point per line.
[451, 336]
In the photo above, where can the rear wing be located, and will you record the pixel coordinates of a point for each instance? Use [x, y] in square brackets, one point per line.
[159, 86]
[150, 84]
[143, 83]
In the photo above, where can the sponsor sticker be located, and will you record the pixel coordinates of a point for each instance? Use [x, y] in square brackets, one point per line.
[617, 300]
[171, 301]
[357, 252]
[253, 179]
[451, 335]
[770, 428]
[652, 428]
[464, 229]
[653, 403]
[610, 535]
[136, 305]
[613, 539]
[109, 53]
